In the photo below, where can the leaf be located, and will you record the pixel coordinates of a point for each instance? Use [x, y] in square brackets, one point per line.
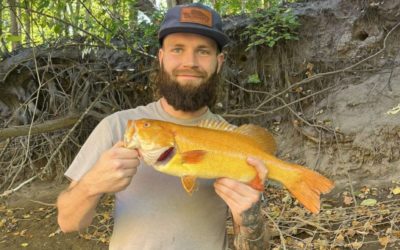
[12, 38]
[396, 190]
[24, 244]
[368, 202]
[394, 110]
[350, 232]
[2, 222]
[356, 245]
[58, 29]
[347, 200]
[254, 79]
[384, 240]
[58, 231]
[340, 239]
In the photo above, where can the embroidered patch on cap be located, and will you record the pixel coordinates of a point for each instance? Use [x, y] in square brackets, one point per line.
[196, 15]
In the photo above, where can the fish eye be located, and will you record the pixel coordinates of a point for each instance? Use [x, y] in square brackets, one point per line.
[146, 125]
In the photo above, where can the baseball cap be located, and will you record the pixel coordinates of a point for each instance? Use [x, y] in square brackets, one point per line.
[193, 18]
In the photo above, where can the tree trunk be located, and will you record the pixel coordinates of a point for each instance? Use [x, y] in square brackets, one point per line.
[171, 3]
[133, 14]
[77, 13]
[179, 2]
[214, 3]
[114, 9]
[3, 49]
[267, 4]
[13, 21]
[27, 4]
[87, 15]
[145, 6]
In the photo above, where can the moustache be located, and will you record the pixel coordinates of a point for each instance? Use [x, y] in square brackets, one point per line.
[193, 72]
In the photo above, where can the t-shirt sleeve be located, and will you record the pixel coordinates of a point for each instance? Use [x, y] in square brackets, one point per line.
[100, 140]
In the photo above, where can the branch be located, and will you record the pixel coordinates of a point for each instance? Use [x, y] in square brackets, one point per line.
[44, 127]
[50, 160]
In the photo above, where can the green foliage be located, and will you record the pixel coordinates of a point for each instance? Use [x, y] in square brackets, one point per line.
[253, 79]
[232, 7]
[270, 27]
[117, 23]
[11, 38]
[144, 36]
[96, 22]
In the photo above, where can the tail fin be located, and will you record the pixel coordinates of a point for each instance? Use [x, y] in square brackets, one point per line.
[304, 184]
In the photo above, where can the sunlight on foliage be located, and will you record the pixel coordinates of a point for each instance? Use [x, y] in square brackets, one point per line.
[270, 27]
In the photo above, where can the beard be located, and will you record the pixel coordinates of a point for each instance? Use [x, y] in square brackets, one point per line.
[188, 97]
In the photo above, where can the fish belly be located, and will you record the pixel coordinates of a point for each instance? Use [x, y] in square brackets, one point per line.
[212, 165]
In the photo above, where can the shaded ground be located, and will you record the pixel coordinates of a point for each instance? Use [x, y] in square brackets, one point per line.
[28, 220]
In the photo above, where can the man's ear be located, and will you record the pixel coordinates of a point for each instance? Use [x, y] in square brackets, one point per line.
[160, 55]
[220, 60]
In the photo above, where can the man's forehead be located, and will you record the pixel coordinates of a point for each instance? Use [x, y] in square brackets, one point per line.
[189, 39]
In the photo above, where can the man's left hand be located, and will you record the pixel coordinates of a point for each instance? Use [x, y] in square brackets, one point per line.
[239, 196]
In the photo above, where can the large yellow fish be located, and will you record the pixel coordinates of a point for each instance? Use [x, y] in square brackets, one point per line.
[217, 149]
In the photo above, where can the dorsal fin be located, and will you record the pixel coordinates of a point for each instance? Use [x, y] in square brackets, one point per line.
[218, 125]
[260, 135]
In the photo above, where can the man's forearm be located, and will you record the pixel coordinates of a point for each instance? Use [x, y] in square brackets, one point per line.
[253, 233]
[76, 208]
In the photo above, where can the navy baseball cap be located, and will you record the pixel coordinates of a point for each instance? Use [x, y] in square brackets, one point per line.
[193, 18]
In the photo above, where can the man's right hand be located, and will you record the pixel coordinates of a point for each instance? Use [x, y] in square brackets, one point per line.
[113, 171]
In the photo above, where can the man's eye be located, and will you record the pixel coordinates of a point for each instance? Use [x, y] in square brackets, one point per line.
[204, 52]
[176, 50]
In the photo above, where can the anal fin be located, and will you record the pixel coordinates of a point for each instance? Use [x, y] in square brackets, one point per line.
[189, 183]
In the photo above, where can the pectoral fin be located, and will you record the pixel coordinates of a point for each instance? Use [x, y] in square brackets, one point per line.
[189, 183]
[193, 157]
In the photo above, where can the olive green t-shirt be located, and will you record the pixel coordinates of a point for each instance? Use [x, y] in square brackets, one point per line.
[154, 212]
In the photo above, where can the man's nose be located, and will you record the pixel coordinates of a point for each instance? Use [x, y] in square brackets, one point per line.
[190, 59]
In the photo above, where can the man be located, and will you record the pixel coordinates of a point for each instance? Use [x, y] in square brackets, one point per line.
[152, 210]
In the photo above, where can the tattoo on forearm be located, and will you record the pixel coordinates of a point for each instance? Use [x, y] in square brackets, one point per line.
[252, 234]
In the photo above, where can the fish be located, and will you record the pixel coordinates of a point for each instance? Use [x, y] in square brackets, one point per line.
[215, 149]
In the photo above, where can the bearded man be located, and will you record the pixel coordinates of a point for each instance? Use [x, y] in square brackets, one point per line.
[152, 210]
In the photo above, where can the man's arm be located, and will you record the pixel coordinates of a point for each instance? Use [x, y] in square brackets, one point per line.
[76, 207]
[250, 228]
[253, 232]
[112, 173]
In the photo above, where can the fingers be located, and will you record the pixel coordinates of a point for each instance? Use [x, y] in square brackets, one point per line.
[235, 189]
[120, 152]
[238, 196]
[129, 172]
[126, 163]
[230, 186]
[259, 166]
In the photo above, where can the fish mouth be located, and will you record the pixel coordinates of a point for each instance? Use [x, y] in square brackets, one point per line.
[131, 139]
[165, 157]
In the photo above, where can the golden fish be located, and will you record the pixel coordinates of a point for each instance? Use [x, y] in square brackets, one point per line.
[217, 149]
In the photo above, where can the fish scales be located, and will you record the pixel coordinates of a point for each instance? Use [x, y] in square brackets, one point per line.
[220, 150]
